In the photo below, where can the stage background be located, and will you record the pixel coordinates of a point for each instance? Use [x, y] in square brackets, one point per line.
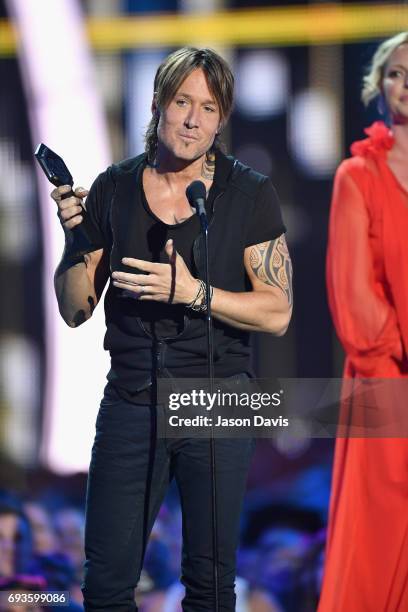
[78, 76]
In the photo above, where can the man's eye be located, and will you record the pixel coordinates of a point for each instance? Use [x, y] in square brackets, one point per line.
[181, 102]
[209, 109]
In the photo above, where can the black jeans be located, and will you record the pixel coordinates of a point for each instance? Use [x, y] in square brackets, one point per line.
[129, 474]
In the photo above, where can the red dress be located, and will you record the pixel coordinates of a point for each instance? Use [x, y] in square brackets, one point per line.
[366, 567]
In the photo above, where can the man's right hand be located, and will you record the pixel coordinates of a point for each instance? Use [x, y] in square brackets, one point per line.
[69, 209]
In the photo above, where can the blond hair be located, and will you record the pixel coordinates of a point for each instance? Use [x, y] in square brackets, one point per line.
[174, 70]
[372, 80]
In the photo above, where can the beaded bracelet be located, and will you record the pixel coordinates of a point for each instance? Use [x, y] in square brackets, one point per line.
[199, 304]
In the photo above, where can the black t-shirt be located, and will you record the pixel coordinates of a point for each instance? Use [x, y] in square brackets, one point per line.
[164, 321]
[265, 224]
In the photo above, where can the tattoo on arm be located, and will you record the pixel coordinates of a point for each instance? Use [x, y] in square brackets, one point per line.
[271, 264]
[80, 316]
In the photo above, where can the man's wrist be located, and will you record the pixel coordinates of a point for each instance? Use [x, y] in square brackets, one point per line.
[199, 303]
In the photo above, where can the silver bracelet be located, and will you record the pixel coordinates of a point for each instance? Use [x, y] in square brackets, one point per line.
[193, 302]
[201, 306]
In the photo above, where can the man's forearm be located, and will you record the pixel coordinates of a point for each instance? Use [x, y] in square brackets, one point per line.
[253, 310]
[75, 293]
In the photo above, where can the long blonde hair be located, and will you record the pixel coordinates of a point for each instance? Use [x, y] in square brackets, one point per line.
[174, 70]
[372, 80]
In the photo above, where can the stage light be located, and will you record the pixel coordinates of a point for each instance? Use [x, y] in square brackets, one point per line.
[19, 375]
[18, 237]
[65, 112]
[141, 68]
[313, 136]
[262, 79]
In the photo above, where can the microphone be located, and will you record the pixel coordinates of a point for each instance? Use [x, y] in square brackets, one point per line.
[196, 195]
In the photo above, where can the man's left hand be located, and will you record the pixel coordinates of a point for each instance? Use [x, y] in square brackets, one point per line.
[162, 282]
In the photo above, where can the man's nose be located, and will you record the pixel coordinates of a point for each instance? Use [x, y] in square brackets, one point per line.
[193, 118]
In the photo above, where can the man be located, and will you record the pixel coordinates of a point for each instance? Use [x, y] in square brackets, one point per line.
[146, 233]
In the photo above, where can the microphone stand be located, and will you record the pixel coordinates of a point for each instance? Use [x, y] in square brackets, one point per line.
[210, 372]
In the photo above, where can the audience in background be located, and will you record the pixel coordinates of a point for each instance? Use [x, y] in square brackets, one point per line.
[279, 564]
[31, 557]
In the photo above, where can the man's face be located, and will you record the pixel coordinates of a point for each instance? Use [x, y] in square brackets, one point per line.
[187, 127]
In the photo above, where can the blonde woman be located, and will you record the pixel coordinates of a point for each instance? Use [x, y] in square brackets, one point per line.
[367, 275]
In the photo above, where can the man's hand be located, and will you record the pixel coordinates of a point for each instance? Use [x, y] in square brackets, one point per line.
[162, 282]
[69, 209]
